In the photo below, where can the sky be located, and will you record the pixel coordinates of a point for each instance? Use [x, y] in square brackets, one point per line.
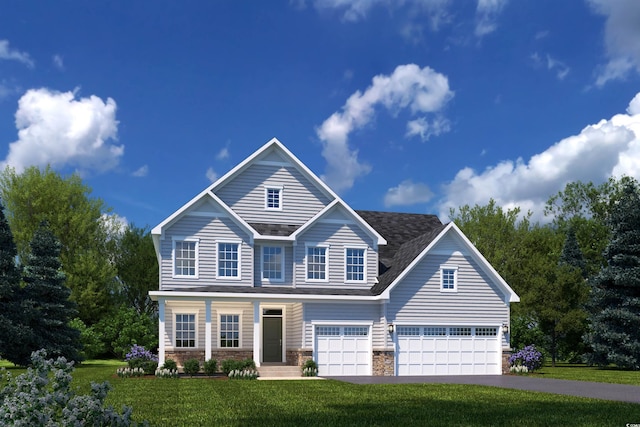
[412, 106]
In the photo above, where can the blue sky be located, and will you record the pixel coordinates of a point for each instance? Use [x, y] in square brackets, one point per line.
[413, 106]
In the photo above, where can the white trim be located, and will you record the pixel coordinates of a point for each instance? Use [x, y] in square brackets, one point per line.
[207, 329]
[173, 257]
[183, 312]
[233, 312]
[282, 264]
[306, 262]
[161, 331]
[228, 242]
[342, 323]
[364, 264]
[455, 278]
[280, 190]
[257, 351]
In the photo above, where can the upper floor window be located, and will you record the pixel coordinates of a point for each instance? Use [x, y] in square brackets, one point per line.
[229, 330]
[317, 263]
[273, 263]
[228, 260]
[185, 258]
[354, 264]
[185, 330]
[448, 278]
[273, 198]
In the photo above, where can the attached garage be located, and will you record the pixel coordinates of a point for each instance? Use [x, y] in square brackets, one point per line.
[343, 350]
[448, 350]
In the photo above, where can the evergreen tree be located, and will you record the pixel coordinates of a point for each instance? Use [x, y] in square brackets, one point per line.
[614, 307]
[571, 254]
[11, 332]
[46, 304]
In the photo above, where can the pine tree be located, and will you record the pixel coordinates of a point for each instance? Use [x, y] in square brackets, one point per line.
[572, 254]
[614, 307]
[46, 302]
[11, 332]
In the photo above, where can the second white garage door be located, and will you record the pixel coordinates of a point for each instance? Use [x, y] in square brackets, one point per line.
[439, 350]
[343, 350]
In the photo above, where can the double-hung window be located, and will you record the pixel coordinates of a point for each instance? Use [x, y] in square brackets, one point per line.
[317, 263]
[185, 258]
[273, 198]
[448, 278]
[273, 263]
[185, 330]
[354, 264]
[230, 330]
[228, 260]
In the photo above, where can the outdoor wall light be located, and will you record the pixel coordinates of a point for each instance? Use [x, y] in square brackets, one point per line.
[391, 328]
[505, 328]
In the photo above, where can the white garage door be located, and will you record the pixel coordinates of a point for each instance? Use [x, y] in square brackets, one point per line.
[343, 350]
[440, 350]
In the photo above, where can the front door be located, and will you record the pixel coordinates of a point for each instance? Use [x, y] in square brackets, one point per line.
[272, 339]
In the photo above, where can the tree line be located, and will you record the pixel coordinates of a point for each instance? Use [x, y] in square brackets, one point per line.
[63, 253]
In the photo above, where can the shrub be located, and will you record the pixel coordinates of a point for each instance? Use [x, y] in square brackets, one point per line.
[170, 364]
[43, 396]
[166, 373]
[191, 367]
[229, 365]
[139, 357]
[210, 367]
[310, 368]
[529, 357]
[519, 370]
[243, 374]
[129, 372]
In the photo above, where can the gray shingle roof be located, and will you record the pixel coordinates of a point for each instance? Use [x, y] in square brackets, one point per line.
[274, 229]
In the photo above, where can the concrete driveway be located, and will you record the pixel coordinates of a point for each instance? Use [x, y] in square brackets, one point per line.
[619, 392]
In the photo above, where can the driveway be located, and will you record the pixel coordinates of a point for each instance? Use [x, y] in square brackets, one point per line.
[619, 392]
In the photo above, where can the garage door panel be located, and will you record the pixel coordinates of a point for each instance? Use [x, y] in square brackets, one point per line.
[346, 351]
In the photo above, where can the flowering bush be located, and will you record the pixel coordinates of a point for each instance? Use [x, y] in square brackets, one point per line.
[529, 357]
[139, 357]
[129, 372]
[43, 396]
[519, 370]
[310, 368]
[245, 374]
[166, 373]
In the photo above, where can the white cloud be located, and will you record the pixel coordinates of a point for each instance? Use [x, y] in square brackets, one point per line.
[487, 13]
[608, 148]
[560, 67]
[407, 193]
[622, 38]
[58, 62]
[14, 55]
[58, 129]
[142, 171]
[421, 90]
[223, 154]
[211, 175]
[425, 129]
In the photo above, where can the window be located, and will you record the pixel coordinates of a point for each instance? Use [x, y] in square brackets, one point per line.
[433, 331]
[273, 198]
[408, 331]
[359, 331]
[228, 260]
[272, 263]
[355, 265]
[230, 330]
[185, 260]
[448, 278]
[185, 330]
[486, 332]
[316, 263]
[460, 331]
[328, 331]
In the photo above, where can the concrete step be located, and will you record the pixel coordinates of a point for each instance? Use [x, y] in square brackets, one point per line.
[279, 371]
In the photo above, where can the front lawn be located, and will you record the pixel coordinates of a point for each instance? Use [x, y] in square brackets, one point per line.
[565, 371]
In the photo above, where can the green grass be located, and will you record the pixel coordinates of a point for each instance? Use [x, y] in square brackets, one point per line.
[565, 371]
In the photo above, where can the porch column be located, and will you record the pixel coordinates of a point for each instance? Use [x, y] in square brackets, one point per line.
[160, 331]
[256, 332]
[207, 329]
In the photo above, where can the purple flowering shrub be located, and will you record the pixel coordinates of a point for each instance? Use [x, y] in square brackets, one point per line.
[529, 357]
[139, 357]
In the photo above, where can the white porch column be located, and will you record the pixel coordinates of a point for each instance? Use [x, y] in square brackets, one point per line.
[160, 331]
[207, 329]
[256, 332]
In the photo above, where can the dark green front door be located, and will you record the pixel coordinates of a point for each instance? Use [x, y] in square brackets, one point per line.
[272, 339]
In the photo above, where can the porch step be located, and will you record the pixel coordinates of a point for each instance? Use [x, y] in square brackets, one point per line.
[279, 371]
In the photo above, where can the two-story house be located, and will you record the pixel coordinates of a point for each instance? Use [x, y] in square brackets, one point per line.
[269, 263]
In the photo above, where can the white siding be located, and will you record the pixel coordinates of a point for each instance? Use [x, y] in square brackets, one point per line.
[209, 231]
[301, 200]
[338, 237]
[343, 313]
